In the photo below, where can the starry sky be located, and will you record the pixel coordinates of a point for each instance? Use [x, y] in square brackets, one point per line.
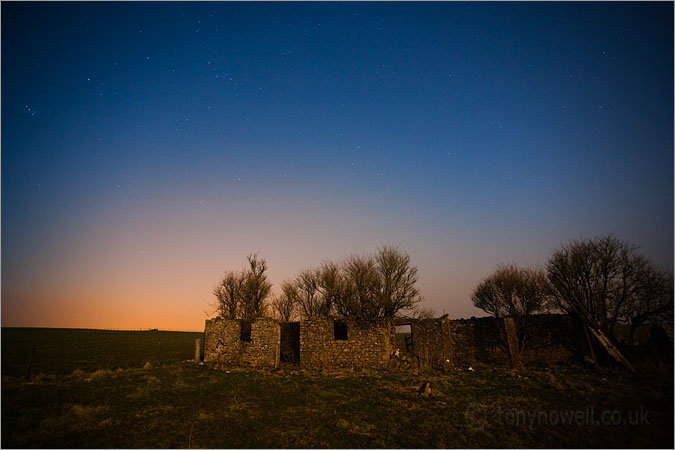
[149, 147]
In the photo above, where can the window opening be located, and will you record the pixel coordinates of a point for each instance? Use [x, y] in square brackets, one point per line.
[245, 331]
[340, 332]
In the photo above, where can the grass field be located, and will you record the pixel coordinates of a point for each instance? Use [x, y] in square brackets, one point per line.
[59, 351]
[181, 404]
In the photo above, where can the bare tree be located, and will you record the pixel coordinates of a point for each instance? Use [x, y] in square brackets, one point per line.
[423, 313]
[332, 285]
[515, 292]
[284, 304]
[362, 288]
[379, 286]
[242, 295]
[533, 297]
[398, 286]
[604, 281]
[255, 288]
[493, 293]
[228, 295]
[309, 298]
[653, 302]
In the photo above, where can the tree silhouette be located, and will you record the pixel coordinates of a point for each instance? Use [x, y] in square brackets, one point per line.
[243, 295]
[605, 281]
[515, 292]
[383, 285]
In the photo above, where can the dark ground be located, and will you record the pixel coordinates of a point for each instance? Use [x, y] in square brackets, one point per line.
[181, 404]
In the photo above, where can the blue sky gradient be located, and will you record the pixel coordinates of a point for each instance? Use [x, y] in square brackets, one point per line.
[148, 147]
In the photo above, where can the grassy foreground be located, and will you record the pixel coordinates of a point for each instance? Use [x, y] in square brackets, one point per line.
[134, 389]
[182, 405]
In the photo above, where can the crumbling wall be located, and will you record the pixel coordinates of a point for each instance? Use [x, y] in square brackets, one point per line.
[432, 343]
[548, 341]
[437, 343]
[263, 350]
[369, 344]
[223, 343]
[478, 340]
[222, 340]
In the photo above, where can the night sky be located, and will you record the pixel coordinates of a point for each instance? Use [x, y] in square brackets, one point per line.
[149, 147]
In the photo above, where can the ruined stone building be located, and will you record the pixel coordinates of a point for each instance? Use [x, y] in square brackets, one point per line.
[316, 343]
[323, 343]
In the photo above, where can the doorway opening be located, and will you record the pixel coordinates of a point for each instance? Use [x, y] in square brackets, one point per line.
[289, 349]
[404, 338]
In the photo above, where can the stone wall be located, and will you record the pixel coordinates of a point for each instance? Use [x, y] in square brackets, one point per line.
[478, 340]
[437, 343]
[549, 341]
[368, 344]
[432, 343]
[263, 350]
[223, 343]
[222, 340]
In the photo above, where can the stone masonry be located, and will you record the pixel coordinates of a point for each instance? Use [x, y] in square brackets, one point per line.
[223, 343]
[483, 340]
[367, 344]
[432, 342]
[324, 343]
